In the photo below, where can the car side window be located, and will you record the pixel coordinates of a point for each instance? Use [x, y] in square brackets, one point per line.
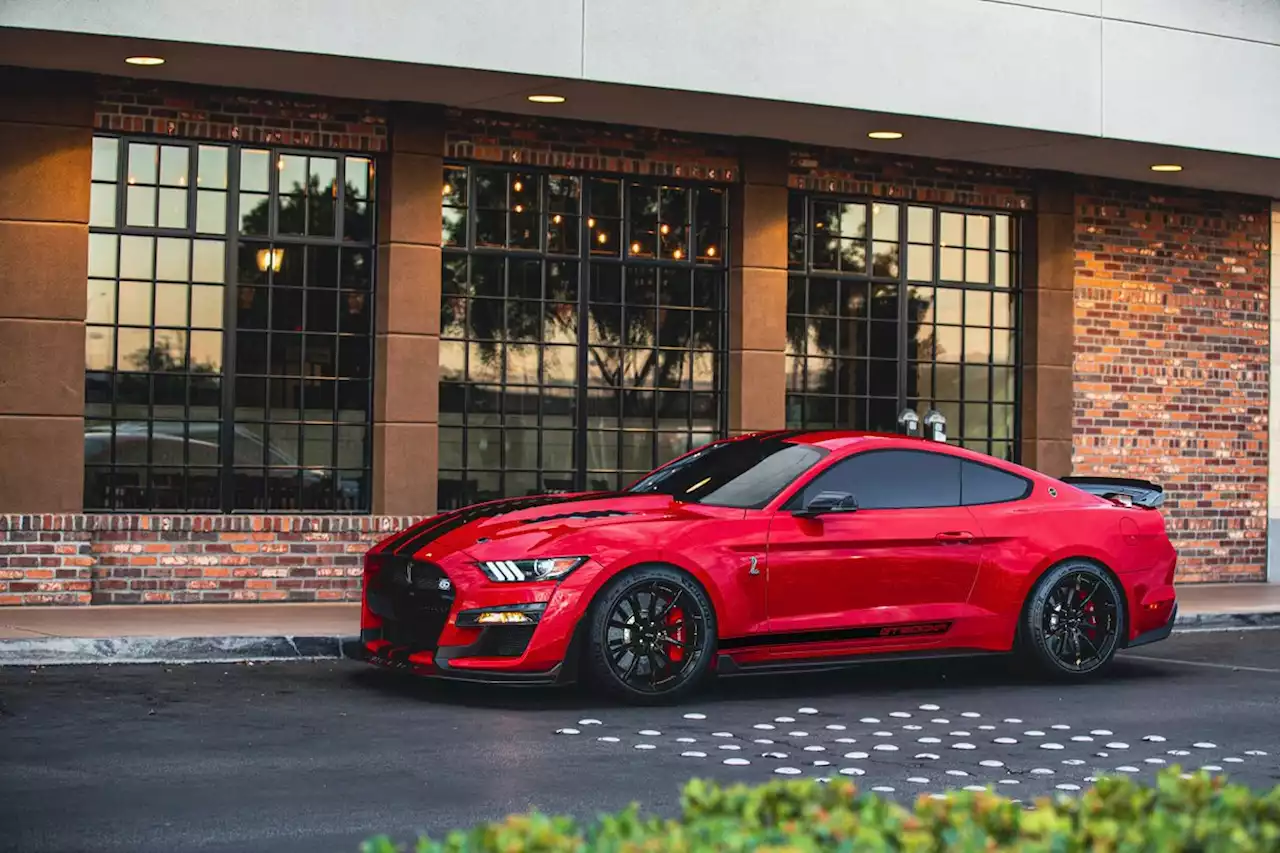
[890, 479]
[983, 484]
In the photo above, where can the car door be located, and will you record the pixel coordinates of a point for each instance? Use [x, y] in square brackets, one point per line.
[903, 561]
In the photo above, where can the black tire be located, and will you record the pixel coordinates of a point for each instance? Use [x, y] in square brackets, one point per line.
[639, 624]
[1073, 622]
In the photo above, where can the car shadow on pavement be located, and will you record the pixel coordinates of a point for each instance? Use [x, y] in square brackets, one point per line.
[956, 674]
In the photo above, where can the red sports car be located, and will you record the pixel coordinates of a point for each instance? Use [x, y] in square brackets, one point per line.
[773, 552]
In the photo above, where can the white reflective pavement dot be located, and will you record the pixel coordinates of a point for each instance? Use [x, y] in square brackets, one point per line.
[764, 740]
[1212, 768]
[1102, 754]
[883, 789]
[911, 728]
[693, 754]
[1042, 771]
[927, 756]
[649, 732]
[965, 746]
[1082, 739]
[815, 748]
[1204, 744]
[856, 756]
[1255, 752]
[846, 740]
[1154, 760]
[929, 740]
[787, 771]
[1102, 732]
[986, 728]
[736, 762]
[821, 763]
[806, 710]
[797, 734]
[835, 727]
[941, 721]
[1013, 721]
[1153, 738]
[1008, 782]
[885, 747]
[1233, 760]
[1062, 727]
[695, 716]
[568, 732]
[607, 739]
[959, 733]
[1179, 752]
[1005, 740]
[722, 734]
[686, 740]
[991, 762]
[1115, 744]
[1073, 762]
[882, 734]
[1067, 786]
[590, 722]
[730, 747]
[784, 719]
[930, 708]
[774, 755]
[975, 787]
[869, 720]
[973, 715]
[902, 715]
[645, 746]
[1128, 768]
[1033, 733]
[852, 771]
[1051, 746]
[918, 780]
[957, 773]
[764, 727]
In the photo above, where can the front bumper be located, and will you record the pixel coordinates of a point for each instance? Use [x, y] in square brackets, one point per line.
[427, 627]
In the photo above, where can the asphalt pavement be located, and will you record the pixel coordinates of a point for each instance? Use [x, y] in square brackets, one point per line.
[315, 756]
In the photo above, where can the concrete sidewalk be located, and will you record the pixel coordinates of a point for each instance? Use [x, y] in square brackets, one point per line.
[239, 632]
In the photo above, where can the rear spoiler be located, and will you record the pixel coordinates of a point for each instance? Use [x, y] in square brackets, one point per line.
[1120, 490]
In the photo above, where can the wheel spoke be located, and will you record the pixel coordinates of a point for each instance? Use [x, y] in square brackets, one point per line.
[670, 641]
[671, 602]
[635, 660]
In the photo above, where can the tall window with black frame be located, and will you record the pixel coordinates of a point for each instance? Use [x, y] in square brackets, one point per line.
[893, 305]
[582, 329]
[228, 336]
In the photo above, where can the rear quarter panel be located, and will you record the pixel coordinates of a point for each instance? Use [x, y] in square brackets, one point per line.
[1027, 538]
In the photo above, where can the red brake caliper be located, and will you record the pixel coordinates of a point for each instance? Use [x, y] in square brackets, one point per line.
[675, 616]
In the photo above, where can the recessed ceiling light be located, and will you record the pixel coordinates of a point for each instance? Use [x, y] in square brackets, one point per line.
[144, 60]
[884, 134]
[547, 99]
[1166, 167]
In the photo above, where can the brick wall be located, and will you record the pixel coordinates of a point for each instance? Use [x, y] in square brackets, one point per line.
[200, 112]
[150, 559]
[1171, 361]
[867, 173]
[535, 141]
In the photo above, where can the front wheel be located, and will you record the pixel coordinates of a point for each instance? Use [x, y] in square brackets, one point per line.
[651, 636]
[1073, 621]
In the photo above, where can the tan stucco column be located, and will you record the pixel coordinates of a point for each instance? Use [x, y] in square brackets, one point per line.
[46, 141]
[407, 356]
[1048, 318]
[758, 290]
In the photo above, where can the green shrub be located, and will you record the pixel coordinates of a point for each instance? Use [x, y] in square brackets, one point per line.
[1199, 814]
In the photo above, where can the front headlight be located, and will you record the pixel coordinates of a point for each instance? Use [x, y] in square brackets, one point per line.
[541, 569]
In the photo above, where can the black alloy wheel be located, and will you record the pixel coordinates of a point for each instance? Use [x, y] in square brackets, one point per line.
[1074, 621]
[651, 635]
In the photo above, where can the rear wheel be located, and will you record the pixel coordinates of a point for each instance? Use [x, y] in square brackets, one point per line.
[1073, 622]
[651, 637]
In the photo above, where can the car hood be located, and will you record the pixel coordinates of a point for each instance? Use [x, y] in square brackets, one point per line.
[528, 526]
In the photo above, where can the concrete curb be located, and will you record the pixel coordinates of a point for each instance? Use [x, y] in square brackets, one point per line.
[53, 651]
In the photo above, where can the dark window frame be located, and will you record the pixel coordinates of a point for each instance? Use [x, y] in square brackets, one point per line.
[791, 503]
[587, 261]
[232, 237]
[801, 268]
[1028, 485]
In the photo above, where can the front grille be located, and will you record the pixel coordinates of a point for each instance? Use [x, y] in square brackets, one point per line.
[408, 597]
[502, 641]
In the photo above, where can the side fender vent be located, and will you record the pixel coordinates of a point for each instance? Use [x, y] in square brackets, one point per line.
[586, 516]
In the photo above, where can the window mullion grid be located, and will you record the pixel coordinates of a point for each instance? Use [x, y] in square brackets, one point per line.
[230, 325]
[581, 387]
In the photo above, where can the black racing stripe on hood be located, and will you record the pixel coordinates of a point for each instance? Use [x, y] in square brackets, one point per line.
[465, 516]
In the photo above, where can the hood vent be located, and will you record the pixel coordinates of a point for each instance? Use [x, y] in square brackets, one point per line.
[588, 515]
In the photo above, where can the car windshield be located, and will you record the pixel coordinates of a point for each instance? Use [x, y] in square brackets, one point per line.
[746, 473]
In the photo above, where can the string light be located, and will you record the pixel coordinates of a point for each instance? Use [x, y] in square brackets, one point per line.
[517, 186]
[556, 219]
[635, 248]
[665, 229]
[446, 190]
[602, 238]
[677, 254]
[591, 223]
[711, 251]
[519, 208]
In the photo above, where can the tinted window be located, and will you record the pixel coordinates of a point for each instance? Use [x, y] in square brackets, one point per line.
[891, 479]
[982, 484]
[747, 473]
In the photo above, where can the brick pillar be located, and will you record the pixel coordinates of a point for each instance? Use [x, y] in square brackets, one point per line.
[407, 362]
[46, 141]
[1048, 321]
[758, 290]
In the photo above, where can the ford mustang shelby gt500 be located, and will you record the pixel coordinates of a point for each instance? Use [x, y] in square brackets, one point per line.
[777, 551]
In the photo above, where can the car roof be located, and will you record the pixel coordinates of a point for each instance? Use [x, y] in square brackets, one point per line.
[841, 440]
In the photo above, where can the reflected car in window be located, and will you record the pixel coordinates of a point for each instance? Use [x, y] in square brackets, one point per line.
[773, 552]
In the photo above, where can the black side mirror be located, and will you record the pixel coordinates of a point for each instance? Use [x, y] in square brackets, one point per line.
[827, 502]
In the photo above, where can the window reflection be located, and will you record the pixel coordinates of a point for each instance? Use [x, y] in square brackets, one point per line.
[847, 297]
